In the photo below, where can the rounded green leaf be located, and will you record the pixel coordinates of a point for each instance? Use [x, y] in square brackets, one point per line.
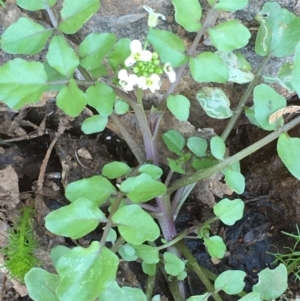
[266, 102]
[175, 166]
[127, 253]
[112, 290]
[199, 297]
[71, 99]
[62, 57]
[272, 283]
[169, 47]
[57, 252]
[235, 180]
[215, 245]
[97, 189]
[149, 269]
[121, 107]
[173, 265]
[214, 102]
[115, 170]
[75, 220]
[179, 106]
[147, 253]
[41, 285]
[119, 54]
[22, 82]
[135, 225]
[95, 269]
[34, 5]
[188, 16]
[197, 145]
[254, 296]
[229, 211]
[208, 67]
[94, 124]
[153, 171]
[101, 97]
[288, 149]
[94, 48]
[231, 282]
[134, 294]
[25, 37]
[222, 38]
[278, 32]
[217, 147]
[75, 13]
[174, 141]
[228, 5]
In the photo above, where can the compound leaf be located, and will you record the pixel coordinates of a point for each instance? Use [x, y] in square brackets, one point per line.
[22, 82]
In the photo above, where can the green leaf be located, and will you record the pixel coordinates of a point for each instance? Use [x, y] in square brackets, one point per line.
[119, 54]
[101, 97]
[208, 67]
[54, 76]
[121, 106]
[112, 290]
[173, 265]
[149, 269]
[278, 32]
[229, 211]
[135, 225]
[188, 16]
[75, 13]
[222, 38]
[199, 297]
[25, 37]
[238, 67]
[295, 70]
[76, 219]
[231, 282]
[94, 48]
[228, 5]
[174, 141]
[127, 253]
[22, 82]
[115, 170]
[214, 102]
[175, 166]
[134, 294]
[169, 47]
[254, 296]
[197, 145]
[142, 188]
[235, 180]
[266, 102]
[41, 285]
[153, 171]
[179, 106]
[217, 147]
[34, 5]
[272, 283]
[94, 124]
[215, 246]
[71, 99]
[112, 236]
[62, 57]
[288, 151]
[147, 253]
[97, 189]
[203, 163]
[95, 269]
[57, 252]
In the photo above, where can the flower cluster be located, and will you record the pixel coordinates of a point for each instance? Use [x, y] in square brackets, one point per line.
[146, 68]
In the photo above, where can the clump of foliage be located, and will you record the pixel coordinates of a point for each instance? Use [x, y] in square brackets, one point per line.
[19, 252]
[135, 228]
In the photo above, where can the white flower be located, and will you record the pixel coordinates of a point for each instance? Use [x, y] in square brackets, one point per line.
[170, 72]
[127, 81]
[152, 82]
[137, 54]
[153, 17]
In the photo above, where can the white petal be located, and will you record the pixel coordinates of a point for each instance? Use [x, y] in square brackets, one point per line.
[155, 78]
[135, 46]
[161, 16]
[133, 79]
[172, 76]
[142, 82]
[146, 56]
[123, 75]
[130, 61]
[148, 9]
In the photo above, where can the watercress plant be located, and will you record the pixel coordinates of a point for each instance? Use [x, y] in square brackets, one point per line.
[142, 208]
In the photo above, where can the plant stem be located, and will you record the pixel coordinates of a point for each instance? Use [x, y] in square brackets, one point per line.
[197, 269]
[51, 16]
[206, 173]
[242, 103]
[150, 286]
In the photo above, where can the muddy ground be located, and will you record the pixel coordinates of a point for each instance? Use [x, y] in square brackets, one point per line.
[272, 195]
